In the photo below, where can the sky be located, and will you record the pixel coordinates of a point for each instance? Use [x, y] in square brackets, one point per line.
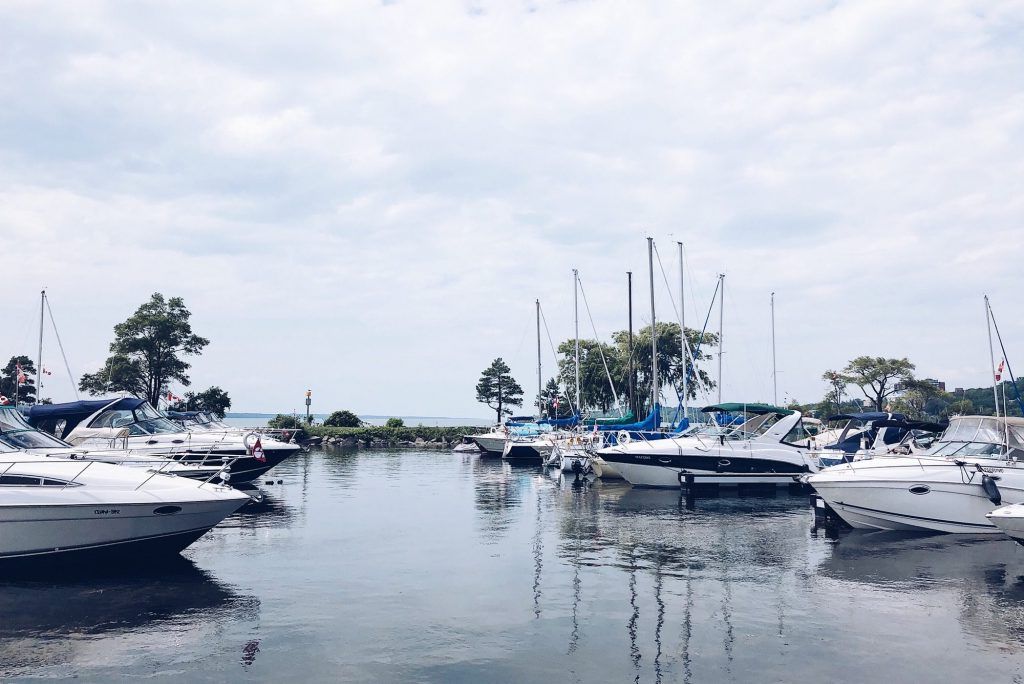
[365, 198]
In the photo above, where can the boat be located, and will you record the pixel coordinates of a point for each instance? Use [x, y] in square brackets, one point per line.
[132, 423]
[491, 443]
[973, 468]
[872, 433]
[18, 434]
[771, 446]
[535, 447]
[57, 511]
[1009, 519]
[466, 446]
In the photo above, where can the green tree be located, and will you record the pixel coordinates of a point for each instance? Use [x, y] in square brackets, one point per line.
[283, 422]
[498, 389]
[394, 423]
[147, 351]
[877, 377]
[670, 360]
[833, 401]
[552, 393]
[214, 401]
[595, 389]
[26, 392]
[914, 397]
[342, 419]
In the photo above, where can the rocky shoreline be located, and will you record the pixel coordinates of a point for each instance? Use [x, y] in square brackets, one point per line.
[420, 437]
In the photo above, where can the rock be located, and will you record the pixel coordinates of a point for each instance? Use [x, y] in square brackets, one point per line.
[348, 442]
[420, 441]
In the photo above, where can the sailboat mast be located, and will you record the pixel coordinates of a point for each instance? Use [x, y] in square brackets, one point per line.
[992, 356]
[576, 322]
[540, 385]
[682, 334]
[39, 356]
[654, 329]
[721, 338]
[632, 373]
[775, 375]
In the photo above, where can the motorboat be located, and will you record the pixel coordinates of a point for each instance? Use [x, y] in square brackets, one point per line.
[466, 446]
[56, 510]
[15, 433]
[492, 443]
[203, 421]
[527, 447]
[576, 453]
[866, 435]
[768, 445]
[1009, 519]
[976, 465]
[133, 424]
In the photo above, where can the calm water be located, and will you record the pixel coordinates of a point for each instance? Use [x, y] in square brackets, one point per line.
[430, 566]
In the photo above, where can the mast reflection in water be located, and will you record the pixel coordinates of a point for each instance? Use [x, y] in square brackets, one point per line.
[429, 566]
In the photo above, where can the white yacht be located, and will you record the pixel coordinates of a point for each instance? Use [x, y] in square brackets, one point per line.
[771, 446]
[975, 467]
[55, 510]
[130, 423]
[492, 443]
[1009, 519]
[15, 433]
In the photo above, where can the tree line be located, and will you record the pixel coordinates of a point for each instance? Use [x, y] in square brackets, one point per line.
[608, 370]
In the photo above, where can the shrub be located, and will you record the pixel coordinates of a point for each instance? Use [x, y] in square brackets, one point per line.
[394, 423]
[283, 422]
[343, 419]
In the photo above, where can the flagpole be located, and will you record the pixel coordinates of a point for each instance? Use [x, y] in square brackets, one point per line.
[39, 357]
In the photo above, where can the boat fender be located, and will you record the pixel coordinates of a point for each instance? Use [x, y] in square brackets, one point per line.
[623, 437]
[991, 489]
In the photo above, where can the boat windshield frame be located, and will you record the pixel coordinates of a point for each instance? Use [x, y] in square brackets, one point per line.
[978, 437]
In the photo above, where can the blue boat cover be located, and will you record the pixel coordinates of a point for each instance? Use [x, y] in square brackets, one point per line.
[648, 424]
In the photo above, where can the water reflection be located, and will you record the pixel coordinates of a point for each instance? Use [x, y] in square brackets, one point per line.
[52, 620]
[498, 494]
[985, 572]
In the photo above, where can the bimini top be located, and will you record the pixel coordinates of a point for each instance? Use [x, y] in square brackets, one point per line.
[925, 425]
[74, 412]
[868, 417]
[181, 415]
[756, 409]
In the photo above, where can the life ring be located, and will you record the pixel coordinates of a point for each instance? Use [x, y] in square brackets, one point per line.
[623, 437]
[249, 445]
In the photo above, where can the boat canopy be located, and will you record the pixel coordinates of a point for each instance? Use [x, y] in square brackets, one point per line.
[46, 416]
[923, 425]
[624, 420]
[571, 421]
[16, 433]
[756, 409]
[869, 417]
[648, 424]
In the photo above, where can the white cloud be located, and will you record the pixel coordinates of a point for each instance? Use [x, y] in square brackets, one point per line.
[366, 198]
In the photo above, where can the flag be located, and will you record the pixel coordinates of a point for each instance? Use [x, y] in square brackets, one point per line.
[999, 371]
[257, 451]
[21, 374]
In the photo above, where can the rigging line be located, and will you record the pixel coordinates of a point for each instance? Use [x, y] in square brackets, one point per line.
[60, 345]
[611, 383]
[558, 375]
[999, 337]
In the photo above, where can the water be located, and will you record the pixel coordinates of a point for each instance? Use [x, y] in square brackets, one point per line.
[429, 566]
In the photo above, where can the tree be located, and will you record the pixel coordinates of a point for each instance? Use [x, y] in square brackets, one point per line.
[877, 377]
[343, 419]
[146, 351]
[394, 423]
[26, 392]
[552, 393]
[670, 360]
[498, 389]
[595, 389]
[834, 398]
[283, 422]
[914, 398]
[214, 401]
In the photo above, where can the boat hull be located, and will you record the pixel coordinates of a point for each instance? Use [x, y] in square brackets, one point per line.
[490, 445]
[96, 530]
[911, 494]
[1010, 520]
[667, 471]
[526, 451]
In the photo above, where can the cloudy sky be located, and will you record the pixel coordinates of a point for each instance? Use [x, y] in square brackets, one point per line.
[365, 198]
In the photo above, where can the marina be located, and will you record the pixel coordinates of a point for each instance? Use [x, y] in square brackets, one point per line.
[504, 573]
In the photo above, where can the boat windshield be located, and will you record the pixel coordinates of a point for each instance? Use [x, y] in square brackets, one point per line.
[144, 420]
[18, 434]
[753, 426]
[976, 436]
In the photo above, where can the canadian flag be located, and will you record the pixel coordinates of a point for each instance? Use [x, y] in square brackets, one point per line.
[999, 371]
[171, 398]
[21, 374]
[257, 451]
